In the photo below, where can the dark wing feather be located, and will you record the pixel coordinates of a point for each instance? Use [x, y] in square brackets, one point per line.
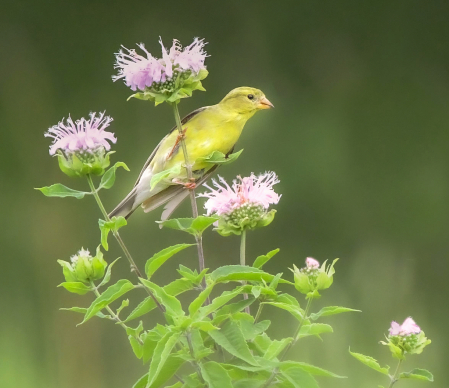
[183, 121]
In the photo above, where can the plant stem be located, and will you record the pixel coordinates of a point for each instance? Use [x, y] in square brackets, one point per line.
[394, 379]
[133, 265]
[242, 262]
[259, 311]
[290, 345]
[192, 353]
[199, 239]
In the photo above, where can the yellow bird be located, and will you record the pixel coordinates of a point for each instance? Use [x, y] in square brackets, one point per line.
[205, 130]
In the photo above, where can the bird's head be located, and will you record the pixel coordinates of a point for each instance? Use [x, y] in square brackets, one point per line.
[246, 101]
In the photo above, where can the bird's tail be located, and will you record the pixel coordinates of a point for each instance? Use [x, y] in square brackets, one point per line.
[126, 207]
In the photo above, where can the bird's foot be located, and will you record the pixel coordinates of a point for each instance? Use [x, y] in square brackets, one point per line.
[181, 136]
[191, 185]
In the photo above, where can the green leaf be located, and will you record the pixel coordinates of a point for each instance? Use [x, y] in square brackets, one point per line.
[251, 330]
[174, 288]
[112, 293]
[166, 175]
[296, 311]
[161, 354]
[261, 260]
[107, 276]
[240, 273]
[417, 374]
[136, 346]
[76, 287]
[330, 310]
[83, 310]
[193, 226]
[106, 226]
[235, 307]
[199, 301]
[215, 375]
[249, 383]
[217, 157]
[276, 347]
[58, 190]
[172, 305]
[299, 378]
[231, 338]
[108, 179]
[371, 362]
[219, 301]
[314, 329]
[153, 264]
[313, 370]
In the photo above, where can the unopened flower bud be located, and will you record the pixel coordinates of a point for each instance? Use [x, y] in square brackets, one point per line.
[312, 278]
[83, 267]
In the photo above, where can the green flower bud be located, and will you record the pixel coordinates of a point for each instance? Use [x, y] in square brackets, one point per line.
[312, 278]
[83, 267]
[78, 164]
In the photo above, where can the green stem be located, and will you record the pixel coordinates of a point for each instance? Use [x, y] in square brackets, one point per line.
[242, 262]
[132, 263]
[394, 379]
[259, 311]
[290, 345]
[192, 353]
[199, 239]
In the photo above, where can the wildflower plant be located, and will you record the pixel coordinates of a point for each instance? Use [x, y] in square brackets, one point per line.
[218, 338]
[402, 340]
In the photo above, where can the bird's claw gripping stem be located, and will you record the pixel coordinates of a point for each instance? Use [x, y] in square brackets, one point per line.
[181, 136]
[191, 184]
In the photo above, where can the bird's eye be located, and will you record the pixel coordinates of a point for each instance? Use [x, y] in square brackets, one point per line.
[250, 96]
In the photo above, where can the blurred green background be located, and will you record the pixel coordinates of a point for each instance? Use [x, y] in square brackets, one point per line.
[359, 139]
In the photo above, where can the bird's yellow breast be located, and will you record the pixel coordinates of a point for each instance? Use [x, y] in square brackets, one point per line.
[210, 130]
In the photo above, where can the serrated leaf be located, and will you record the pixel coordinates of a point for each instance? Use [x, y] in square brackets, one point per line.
[106, 226]
[218, 157]
[174, 288]
[160, 355]
[314, 329]
[241, 273]
[249, 383]
[172, 305]
[83, 310]
[417, 374]
[235, 307]
[330, 310]
[263, 259]
[153, 264]
[76, 287]
[215, 375]
[219, 301]
[199, 301]
[231, 338]
[370, 362]
[136, 346]
[108, 179]
[276, 347]
[111, 294]
[193, 226]
[166, 175]
[299, 378]
[296, 311]
[251, 330]
[313, 370]
[58, 190]
[107, 275]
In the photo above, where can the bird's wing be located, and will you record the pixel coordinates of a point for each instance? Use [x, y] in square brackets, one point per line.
[183, 121]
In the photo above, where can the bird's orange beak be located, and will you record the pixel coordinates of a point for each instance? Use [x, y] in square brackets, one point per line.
[264, 103]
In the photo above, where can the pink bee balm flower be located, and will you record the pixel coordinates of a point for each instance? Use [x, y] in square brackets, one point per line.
[140, 71]
[254, 190]
[408, 327]
[81, 135]
[312, 263]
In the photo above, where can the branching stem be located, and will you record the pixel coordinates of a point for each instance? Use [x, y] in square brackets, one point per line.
[394, 379]
[132, 263]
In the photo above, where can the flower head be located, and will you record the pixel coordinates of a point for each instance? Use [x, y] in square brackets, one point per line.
[81, 145]
[175, 75]
[83, 267]
[406, 338]
[408, 327]
[245, 204]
